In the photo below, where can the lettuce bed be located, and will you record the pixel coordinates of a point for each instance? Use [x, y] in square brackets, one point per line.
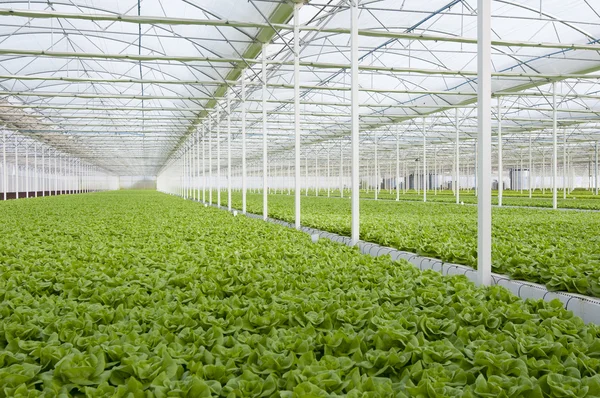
[136, 294]
[555, 248]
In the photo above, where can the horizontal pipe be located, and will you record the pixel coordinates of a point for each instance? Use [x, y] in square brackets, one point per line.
[278, 26]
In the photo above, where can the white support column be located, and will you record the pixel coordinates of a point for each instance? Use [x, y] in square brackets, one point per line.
[198, 176]
[16, 168]
[530, 167]
[218, 183]
[341, 169]
[484, 138]
[203, 165]
[596, 168]
[425, 179]
[355, 232]
[435, 171]
[27, 171]
[376, 168]
[554, 149]
[264, 134]
[210, 167]
[397, 163]
[457, 158]
[564, 163]
[297, 114]
[316, 173]
[4, 171]
[328, 176]
[229, 150]
[55, 173]
[244, 166]
[500, 166]
[192, 165]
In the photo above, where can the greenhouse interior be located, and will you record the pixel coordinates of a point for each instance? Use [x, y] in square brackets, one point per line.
[300, 198]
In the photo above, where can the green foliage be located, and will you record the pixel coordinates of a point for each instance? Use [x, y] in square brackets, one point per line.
[139, 294]
[555, 248]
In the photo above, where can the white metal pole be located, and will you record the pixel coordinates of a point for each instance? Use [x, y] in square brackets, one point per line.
[35, 170]
[554, 150]
[297, 114]
[198, 176]
[210, 181]
[376, 168]
[244, 167]
[457, 158]
[530, 167]
[425, 179]
[564, 163]
[355, 234]
[4, 172]
[435, 171]
[316, 174]
[484, 96]
[341, 169]
[55, 173]
[397, 163]
[229, 150]
[203, 165]
[500, 154]
[218, 182]
[16, 167]
[596, 168]
[27, 171]
[328, 176]
[264, 133]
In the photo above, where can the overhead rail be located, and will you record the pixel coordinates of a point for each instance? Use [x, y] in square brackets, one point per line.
[390, 34]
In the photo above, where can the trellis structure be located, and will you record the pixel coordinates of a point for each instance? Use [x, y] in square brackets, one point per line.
[267, 94]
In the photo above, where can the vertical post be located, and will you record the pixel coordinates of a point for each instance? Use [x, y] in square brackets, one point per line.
[341, 170]
[297, 114]
[425, 179]
[35, 170]
[210, 180]
[456, 159]
[328, 176]
[564, 163]
[16, 167]
[376, 168]
[596, 168]
[244, 167]
[203, 165]
[4, 172]
[484, 138]
[398, 163]
[229, 150]
[500, 166]
[554, 150]
[530, 168]
[355, 234]
[218, 182]
[27, 171]
[55, 174]
[521, 180]
[316, 173]
[435, 171]
[264, 132]
[198, 177]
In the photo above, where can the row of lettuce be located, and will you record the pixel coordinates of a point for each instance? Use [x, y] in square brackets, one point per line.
[557, 249]
[137, 294]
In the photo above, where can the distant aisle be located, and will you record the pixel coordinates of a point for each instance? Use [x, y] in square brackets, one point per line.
[144, 294]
